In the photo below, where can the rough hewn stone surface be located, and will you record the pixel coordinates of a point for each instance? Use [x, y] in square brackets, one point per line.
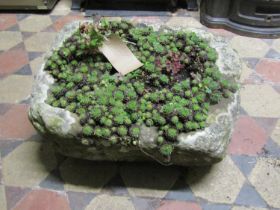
[202, 147]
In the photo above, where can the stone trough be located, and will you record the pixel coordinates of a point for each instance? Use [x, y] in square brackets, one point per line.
[202, 147]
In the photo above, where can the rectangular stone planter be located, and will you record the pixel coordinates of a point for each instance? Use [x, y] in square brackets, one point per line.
[203, 147]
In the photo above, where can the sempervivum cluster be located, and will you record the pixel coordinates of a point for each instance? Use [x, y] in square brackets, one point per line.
[172, 91]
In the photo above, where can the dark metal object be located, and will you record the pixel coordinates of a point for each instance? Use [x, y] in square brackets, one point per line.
[126, 7]
[132, 7]
[258, 18]
[124, 13]
[42, 5]
[192, 5]
[77, 4]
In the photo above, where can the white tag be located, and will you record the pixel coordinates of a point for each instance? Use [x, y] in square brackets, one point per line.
[119, 55]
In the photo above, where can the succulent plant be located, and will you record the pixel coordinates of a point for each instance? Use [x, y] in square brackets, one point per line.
[149, 122]
[199, 117]
[76, 78]
[183, 112]
[63, 102]
[160, 140]
[106, 133]
[122, 131]
[132, 105]
[158, 119]
[57, 90]
[98, 132]
[215, 98]
[55, 104]
[120, 119]
[134, 132]
[172, 91]
[166, 150]
[96, 113]
[108, 122]
[191, 125]
[175, 120]
[88, 130]
[171, 133]
[113, 139]
[70, 95]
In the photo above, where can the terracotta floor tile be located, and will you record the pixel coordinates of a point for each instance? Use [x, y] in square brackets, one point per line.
[14, 124]
[248, 137]
[178, 205]
[7, 20]
[11, 61]
[4, 108]
[269, 69]
[43, 200]
[58, 25]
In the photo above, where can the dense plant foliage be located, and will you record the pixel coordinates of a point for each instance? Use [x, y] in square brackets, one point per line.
[173, 90]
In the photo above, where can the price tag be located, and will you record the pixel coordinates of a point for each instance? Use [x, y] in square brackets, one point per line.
[119, 55]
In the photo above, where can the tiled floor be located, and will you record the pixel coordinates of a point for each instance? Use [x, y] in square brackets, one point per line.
[34, 178]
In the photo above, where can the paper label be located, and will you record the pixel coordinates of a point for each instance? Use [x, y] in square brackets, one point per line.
[119, 55]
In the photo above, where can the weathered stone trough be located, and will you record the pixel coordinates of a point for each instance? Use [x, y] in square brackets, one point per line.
[202, 147]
